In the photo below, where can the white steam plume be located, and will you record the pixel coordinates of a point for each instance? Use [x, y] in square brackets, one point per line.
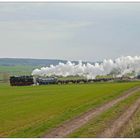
[119, 67]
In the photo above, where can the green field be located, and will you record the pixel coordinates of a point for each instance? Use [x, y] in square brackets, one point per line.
[32, 111]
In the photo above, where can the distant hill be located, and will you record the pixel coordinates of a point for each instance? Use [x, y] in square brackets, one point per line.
[30, 62]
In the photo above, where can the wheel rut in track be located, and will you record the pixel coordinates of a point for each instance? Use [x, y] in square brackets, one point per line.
[116, 126]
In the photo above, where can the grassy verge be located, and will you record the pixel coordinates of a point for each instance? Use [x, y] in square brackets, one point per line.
[98, 124]
[34, 110]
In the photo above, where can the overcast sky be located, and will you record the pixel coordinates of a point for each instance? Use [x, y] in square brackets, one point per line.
[72, 31]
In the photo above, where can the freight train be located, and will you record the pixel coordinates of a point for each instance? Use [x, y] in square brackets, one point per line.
[30, 80]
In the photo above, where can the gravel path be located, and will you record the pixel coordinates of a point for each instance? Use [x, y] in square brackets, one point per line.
[71, 125]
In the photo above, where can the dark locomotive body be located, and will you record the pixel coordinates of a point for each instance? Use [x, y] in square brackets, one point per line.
[21, 80]
[138, 77]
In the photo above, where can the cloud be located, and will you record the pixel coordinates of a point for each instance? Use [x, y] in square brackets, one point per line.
[44, 24]
[51, 30]
[39, 38]
[97, 29]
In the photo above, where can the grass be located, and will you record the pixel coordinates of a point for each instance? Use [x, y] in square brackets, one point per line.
[98, 124]
[32, 111]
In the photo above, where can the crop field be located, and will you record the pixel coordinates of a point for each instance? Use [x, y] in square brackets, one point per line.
[33, 111]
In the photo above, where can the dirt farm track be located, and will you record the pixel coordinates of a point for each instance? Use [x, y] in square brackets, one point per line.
[70, 126]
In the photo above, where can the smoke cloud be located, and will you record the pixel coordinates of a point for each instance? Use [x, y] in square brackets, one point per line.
[118, 67]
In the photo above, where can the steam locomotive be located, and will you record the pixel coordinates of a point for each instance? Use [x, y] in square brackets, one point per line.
[30, 80]
[21, 80]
